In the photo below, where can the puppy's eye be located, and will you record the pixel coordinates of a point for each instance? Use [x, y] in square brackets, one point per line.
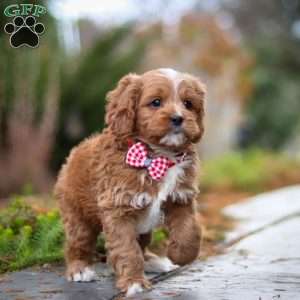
[156, 102]
[188, 104]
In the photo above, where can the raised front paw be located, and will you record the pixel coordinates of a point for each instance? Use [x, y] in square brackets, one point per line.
[184, 253]
[78, 271]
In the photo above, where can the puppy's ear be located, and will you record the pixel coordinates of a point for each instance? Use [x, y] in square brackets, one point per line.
[200, 88]
[201, 91]
[122, 105]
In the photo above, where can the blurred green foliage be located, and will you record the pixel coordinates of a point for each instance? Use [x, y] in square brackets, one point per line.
[274, 107]
[84, 87]
[158, 236]
[25, 69]
[248, 171]
[53, 97]
[28, 103]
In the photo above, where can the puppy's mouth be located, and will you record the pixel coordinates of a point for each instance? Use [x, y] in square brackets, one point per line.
[174, 138]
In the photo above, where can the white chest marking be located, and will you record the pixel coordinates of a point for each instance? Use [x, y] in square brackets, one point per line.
[167, 187]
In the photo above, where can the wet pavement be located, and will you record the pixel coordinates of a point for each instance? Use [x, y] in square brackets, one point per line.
[262, 262]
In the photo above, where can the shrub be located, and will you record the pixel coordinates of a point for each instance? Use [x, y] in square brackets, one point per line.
[273, 109]
[83, 90]
[28, 107]
[250, 170]
[28, 238]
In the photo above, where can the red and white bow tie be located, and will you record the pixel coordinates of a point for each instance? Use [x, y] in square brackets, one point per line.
[137, 156]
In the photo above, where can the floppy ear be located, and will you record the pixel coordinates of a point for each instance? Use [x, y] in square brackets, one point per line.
[200, 89]
[122, 105]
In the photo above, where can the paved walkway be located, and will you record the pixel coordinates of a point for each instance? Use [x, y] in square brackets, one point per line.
[262, 262]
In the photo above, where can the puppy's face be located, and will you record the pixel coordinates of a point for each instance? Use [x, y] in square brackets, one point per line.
[161, 107]
[170, 109]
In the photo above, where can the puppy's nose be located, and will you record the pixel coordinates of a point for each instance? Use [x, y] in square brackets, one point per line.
[176, 120]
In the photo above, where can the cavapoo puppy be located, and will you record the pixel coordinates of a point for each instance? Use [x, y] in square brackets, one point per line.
[138, 173]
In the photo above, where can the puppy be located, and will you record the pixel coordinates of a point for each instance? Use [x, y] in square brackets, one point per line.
[138, 173]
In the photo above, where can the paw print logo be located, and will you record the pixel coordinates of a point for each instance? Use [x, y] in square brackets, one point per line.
[24, 32]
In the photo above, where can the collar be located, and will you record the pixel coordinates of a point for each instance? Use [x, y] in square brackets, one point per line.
[139, 156]
[178, 157]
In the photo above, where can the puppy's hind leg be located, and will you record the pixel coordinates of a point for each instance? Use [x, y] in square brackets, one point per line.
[79, 249]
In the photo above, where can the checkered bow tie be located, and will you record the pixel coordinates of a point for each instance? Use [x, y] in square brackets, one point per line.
[137, 156]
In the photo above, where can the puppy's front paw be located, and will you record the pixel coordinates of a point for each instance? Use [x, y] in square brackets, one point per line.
[141, 200]
[79, 272]
[133, 286]
[134, 289]
[156, 264]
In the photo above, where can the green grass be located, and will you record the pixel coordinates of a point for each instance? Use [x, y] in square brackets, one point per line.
[28, 238]
[248, 171]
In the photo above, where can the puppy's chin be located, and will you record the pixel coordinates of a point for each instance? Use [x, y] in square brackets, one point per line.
[180, 139]
[173, 139]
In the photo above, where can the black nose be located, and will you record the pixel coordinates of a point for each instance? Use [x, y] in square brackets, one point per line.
[176, 120]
